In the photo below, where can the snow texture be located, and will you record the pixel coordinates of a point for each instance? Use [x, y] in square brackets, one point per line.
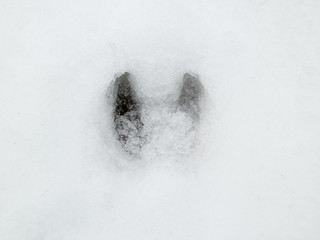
[249, 170]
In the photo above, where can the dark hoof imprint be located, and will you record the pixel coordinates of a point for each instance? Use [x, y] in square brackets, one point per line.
[127, 109]
[127, 114]
[189, 99]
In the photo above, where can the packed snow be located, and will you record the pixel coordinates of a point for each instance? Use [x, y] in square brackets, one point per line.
[251, 168]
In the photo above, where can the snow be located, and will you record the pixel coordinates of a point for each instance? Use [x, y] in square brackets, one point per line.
[251, 171]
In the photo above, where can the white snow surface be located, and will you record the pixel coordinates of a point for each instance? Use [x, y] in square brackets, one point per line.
[251, 171]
